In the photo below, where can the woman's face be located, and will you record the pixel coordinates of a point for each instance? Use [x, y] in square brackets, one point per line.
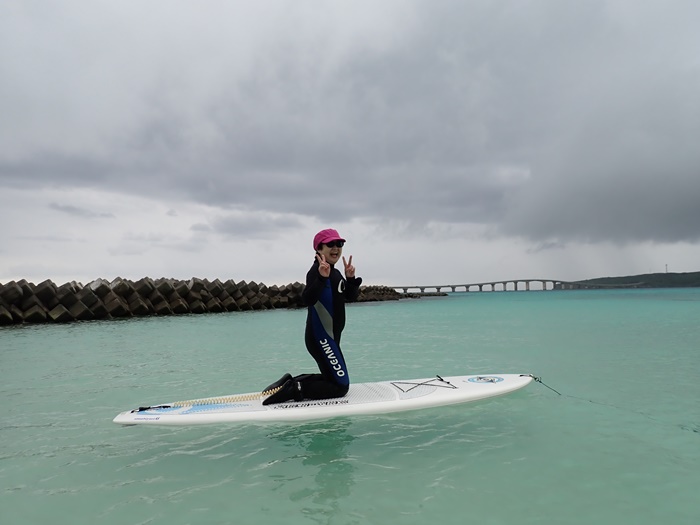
[332, 253]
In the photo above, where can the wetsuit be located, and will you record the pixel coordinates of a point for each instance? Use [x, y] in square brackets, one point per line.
[326, 298]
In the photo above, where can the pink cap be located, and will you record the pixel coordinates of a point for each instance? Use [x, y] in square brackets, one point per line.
[326, 236]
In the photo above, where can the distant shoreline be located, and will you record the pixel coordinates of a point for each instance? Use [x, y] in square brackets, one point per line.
[648, 280]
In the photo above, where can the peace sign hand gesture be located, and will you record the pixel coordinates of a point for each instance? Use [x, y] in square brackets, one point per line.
[349, 268]
[323, 267]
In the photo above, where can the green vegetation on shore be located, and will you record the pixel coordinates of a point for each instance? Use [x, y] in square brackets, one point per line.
[650, 280]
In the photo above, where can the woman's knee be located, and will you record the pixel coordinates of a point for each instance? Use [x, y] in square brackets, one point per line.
[342, 389]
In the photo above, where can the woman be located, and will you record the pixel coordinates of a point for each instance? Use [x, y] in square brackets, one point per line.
[325, 295]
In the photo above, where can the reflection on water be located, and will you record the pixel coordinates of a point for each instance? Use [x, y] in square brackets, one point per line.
[324, 447]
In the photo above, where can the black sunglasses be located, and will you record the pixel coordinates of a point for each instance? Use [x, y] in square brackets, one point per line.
[335, 244]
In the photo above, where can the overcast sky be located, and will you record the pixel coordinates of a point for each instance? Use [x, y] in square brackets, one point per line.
[449, 141]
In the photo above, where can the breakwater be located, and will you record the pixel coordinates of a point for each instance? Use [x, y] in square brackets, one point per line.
[46, 302]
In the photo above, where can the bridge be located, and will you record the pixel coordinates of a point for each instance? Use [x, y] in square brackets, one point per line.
[510, 285]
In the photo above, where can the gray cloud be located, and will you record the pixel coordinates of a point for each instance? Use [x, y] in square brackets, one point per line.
[199, 227]
[49, 238]
[546, 246]
[545, 120]
[79, 212]
[263, 227]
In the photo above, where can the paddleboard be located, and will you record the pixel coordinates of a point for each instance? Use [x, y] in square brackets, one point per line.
[362, 399]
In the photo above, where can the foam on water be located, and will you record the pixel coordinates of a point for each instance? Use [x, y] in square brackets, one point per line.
[620, 445]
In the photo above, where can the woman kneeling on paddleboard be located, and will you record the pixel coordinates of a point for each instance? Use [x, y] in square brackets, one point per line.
[325, 295]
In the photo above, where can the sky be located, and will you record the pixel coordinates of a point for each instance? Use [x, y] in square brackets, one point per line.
[449, 141]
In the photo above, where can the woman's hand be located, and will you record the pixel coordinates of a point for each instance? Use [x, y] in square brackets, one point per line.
[323, 267]
[349, 268]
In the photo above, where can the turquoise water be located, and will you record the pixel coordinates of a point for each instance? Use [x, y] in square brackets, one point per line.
[620, 445]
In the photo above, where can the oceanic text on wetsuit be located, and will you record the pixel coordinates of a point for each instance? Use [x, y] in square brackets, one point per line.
[332, 359]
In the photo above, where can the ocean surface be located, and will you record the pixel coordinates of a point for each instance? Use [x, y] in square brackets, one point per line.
[617, 443]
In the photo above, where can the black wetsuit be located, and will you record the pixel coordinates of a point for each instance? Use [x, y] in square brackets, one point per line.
[326, 298]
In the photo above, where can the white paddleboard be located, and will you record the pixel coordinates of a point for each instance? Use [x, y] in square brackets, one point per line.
[363, 398]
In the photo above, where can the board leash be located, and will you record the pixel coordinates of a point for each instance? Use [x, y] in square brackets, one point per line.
[685, 427]
[538, 379]
[222, 400]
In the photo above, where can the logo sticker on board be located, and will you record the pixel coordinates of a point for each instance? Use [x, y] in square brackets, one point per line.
[485, 379]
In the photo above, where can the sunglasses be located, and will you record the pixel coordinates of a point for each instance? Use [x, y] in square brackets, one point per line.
[334, 244]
